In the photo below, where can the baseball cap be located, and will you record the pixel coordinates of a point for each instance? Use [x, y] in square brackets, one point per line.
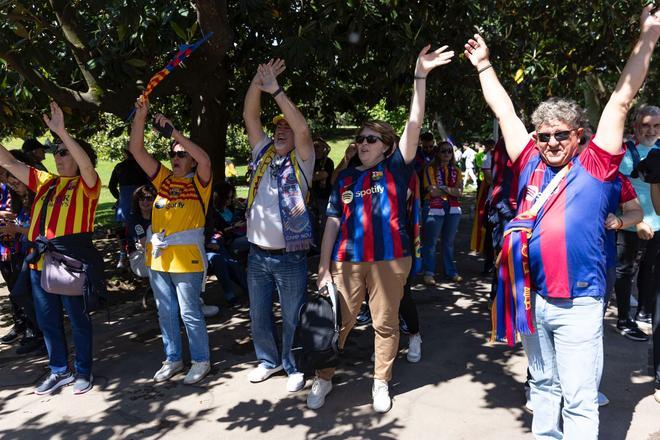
[279, 118]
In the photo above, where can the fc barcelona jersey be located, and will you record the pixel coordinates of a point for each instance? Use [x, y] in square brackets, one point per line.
[371, 205]
[567, 250]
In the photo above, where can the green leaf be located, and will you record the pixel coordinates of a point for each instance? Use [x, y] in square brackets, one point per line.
[178, 30]
[136, 62]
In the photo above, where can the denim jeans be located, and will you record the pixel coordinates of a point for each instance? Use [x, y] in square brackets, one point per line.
[564, 355]
[180, 294]
[226, 269]
[444, 226]
[286, 273]
[48, 308]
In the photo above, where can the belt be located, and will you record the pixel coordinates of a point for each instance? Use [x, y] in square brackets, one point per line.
[271, 251]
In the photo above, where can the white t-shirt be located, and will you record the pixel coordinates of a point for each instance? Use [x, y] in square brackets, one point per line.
[264, 224]
[468, 155]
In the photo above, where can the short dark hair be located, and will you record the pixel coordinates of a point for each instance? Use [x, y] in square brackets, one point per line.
[31, 144]
[22, 157]
[141, 192]
[89, 150]
[426, 136]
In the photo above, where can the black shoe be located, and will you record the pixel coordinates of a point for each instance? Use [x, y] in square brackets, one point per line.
[630, 330]
[643, 318]
[364, 317]
[30, 345]
[11, 337]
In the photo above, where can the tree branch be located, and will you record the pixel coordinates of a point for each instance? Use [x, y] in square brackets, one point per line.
[73, 36]
[63, 95]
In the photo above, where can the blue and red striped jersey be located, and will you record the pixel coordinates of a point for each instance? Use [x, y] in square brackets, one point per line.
[567, 250]
[371, 205]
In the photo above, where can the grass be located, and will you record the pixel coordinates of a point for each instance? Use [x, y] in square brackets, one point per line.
[105, 213]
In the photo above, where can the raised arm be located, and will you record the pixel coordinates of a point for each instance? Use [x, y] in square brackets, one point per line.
[195, 151]
[301, 132]
[14, 166]
[252, 105]
[136, 143]
[513, 130]
[609, 135]
[85, 166]
[425, 63]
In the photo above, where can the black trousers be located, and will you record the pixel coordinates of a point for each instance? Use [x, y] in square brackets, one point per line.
[636, 257]
[408, 308]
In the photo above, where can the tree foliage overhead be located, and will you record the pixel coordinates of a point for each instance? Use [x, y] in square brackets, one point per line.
[343, 57]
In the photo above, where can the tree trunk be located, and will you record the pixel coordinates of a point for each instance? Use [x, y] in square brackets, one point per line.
[208, 125]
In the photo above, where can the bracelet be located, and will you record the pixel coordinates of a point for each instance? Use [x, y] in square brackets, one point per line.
[277, 92]
[419, 77]
[483, 69]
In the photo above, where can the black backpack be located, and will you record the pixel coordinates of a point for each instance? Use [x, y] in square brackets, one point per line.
[316, 342]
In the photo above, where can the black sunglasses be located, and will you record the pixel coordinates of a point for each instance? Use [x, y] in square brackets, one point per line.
[62, 153]
[559, 136]
[179, 154]
[145, 198]
[371, 139]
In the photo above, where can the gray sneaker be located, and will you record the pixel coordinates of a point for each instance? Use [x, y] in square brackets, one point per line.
[53, 382]
[83, 383]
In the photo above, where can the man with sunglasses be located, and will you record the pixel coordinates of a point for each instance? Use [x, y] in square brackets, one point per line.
[566, 254]
[279, 227]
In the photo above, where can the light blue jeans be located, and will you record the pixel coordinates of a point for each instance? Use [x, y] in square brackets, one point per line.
[286, 273]
[435, 226]
[180, 294]
[565, 358]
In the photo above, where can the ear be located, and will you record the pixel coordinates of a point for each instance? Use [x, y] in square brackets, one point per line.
[580, 132]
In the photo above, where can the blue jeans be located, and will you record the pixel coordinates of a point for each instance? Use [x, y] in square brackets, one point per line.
[565, 357]
[226, 269]
[435, 226]
[180, 293]
[48, 309]
[287, 273]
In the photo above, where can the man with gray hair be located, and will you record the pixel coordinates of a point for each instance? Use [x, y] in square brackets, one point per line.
[558, 263]
[638, 246]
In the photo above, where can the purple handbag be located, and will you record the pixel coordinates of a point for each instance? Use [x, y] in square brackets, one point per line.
[62, 275]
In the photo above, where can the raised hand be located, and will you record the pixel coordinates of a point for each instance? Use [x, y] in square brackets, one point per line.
[613, 222]
[141, 108]
[161, 120]
[268, 75]
[427, 61]
[56, 121]
[476, 51]
[650, 23]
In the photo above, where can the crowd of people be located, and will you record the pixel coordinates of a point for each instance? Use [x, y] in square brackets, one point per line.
[565, 215]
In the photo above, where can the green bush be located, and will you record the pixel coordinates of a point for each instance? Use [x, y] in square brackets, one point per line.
[397, 118]
[111, 143]
[238, 146]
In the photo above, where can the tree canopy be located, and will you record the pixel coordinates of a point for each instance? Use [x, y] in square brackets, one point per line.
[343, 57]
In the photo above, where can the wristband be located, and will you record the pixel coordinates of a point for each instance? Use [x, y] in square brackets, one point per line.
[419, 77]
[277, 92]
[483, 69]
[620, 225]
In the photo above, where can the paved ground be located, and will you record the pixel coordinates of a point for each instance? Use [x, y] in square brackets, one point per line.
[463, 388]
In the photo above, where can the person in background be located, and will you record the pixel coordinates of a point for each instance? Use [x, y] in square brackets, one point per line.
[441, 188]
[322, 186]
[126, 177]
[36, 152]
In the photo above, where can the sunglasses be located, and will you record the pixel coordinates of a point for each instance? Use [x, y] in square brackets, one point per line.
[146, 198]
[559, 136]
[62, 153]
[179, 154]
[371, 139]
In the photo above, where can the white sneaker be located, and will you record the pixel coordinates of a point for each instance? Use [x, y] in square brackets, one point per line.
[262, 373]
[656, 395]
[210, 311]
[295, 382]
[320, 389]
[168, 370]
[414, 348]
[381, 396]
[197, 372]
[602, 399]
[528, 399]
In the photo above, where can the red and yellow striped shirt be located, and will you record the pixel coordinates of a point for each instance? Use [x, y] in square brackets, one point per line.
[71, 204]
